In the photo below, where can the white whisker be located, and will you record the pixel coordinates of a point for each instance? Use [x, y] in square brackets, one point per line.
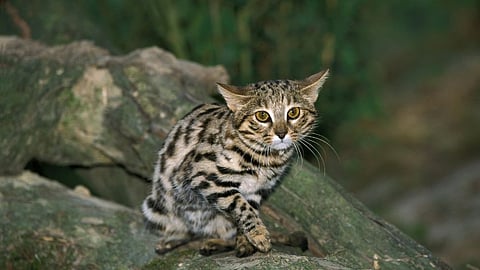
[315, 153]
[299, 154]
[318, 139]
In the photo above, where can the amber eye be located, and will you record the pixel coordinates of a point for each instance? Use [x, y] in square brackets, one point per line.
[293, 113]
[262, 116]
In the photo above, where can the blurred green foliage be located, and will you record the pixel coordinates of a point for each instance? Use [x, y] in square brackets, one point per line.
[254, 40]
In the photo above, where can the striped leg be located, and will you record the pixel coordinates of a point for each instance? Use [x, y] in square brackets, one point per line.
[249, 224]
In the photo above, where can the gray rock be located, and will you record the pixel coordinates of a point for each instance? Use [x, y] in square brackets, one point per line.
[46, 226]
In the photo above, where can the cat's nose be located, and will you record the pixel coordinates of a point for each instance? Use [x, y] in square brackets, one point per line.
[281, 134]
[280, 130]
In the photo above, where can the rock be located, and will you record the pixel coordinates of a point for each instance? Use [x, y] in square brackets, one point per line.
[76, 104]
[46, 226]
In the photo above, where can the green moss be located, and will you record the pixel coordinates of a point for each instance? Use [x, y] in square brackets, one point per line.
[185, 259]
[37, 250]
[273, 260]
[344, 228]
[57, 230]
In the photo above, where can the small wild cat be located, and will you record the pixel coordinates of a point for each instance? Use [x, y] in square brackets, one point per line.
[219, 162]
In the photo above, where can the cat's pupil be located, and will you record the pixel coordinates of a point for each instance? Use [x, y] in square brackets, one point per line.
[293, 113]
[262, 116]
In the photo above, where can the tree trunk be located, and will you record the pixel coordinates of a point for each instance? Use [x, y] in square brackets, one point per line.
[77, 107]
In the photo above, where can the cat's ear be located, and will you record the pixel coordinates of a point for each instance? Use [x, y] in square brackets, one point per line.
[234, 96]
[311, 85]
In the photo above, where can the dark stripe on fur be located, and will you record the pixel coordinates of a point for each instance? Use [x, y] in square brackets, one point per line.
[264, 193]
[213, 177]
[255, 205]
[203, 185]
[212, 198]
[248, 226]
[247, 157]
[205, 124]
[208, 111]
[233, 204]
[193, 110]
[161, 163]
[156, 206]
[210, 156]
[225, 170]
[171, 146]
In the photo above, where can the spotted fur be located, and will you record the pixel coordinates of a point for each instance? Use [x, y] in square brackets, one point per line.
[220, 162]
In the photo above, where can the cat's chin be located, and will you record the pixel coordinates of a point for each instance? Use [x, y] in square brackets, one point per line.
[280, 146]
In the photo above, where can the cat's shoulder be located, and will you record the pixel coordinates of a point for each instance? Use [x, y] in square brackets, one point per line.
[205, 110]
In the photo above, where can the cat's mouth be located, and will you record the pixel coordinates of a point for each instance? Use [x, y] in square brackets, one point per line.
[281, 144]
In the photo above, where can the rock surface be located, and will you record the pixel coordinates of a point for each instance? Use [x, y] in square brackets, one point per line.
[46, 226]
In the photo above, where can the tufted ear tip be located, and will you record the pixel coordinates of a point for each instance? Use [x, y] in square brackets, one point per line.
[312, 84]
[237, 90]
[317, 79]
[223, 85]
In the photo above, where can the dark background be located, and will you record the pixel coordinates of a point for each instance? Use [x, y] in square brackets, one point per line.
[402, 106]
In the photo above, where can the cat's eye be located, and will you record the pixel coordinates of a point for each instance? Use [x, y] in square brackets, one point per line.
[293, 113]
[262, 116]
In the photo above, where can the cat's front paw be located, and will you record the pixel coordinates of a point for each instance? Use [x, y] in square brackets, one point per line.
[259, 237]
[243, 247]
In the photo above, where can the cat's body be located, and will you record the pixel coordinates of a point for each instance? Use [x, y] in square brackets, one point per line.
[219, 162]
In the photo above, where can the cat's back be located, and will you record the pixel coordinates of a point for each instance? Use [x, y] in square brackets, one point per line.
[201, 127]
[202, 124]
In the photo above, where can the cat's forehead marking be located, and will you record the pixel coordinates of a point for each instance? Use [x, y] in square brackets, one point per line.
[273, 86]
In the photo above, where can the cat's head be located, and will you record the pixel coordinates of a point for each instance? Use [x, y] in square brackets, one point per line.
[274, 114]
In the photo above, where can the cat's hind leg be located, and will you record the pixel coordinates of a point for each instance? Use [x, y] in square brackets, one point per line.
[216, 245]
[222, 233]
[171, 242]
[172, 230]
